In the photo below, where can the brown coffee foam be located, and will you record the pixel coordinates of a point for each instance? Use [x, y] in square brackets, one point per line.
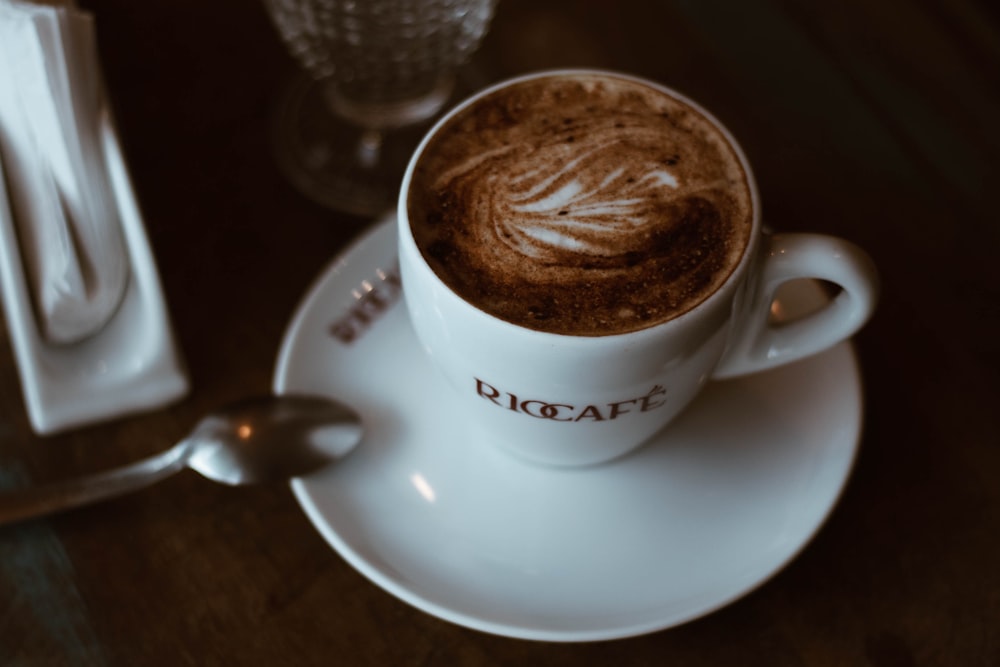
[581, 204]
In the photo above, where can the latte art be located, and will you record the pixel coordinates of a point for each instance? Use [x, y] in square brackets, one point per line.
[564, 215]
[586, 205]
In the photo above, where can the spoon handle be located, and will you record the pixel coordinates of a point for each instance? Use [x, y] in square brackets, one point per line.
[40, 500]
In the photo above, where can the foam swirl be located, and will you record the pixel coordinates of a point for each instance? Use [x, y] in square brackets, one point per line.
[565, 212]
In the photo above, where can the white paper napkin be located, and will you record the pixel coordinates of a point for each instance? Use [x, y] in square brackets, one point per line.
[65, 216]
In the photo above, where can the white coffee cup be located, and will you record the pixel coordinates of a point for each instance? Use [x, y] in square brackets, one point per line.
[568, 400]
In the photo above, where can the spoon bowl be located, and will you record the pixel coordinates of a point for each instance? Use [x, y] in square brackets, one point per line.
[267, 439]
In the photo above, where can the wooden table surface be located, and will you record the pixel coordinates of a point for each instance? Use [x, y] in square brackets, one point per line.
[875, 121]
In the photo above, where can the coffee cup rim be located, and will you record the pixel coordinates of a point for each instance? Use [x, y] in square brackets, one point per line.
[723, 291]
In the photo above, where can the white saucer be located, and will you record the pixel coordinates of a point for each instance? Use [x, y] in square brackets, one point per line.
[697, 518]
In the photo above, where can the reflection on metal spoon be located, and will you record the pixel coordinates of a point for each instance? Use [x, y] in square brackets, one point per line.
[263, 439]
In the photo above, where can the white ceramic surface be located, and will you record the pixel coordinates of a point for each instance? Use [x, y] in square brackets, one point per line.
[131, 365]
[702, 514]
[578, 399]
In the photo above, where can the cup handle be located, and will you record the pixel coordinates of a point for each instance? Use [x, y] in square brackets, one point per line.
[760, 343]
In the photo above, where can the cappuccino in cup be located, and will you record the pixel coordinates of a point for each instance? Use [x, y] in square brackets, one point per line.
[581, 204]
[581, 252]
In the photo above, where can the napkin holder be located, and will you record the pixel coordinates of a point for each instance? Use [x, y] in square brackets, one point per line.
[131, 365]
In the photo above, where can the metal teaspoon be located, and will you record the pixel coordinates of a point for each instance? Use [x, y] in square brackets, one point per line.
[269, 438]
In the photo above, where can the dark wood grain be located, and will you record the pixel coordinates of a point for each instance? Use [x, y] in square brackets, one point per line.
[873, 121]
